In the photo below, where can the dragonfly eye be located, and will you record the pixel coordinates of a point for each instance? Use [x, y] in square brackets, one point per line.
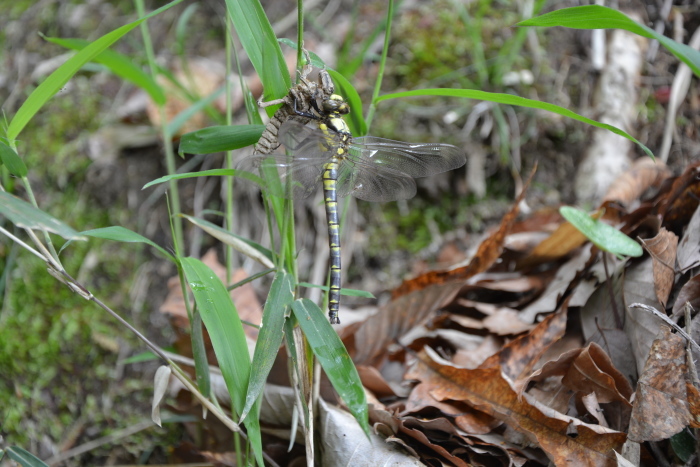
[336, 103]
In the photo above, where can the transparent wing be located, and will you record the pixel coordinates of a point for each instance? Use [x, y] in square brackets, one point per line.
[416, 160]
[366, 180]
[276, 170]
[303, 167]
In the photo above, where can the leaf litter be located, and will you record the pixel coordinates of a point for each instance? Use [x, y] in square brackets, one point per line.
[529, 353]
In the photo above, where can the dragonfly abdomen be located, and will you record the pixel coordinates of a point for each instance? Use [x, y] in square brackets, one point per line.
[330, 177]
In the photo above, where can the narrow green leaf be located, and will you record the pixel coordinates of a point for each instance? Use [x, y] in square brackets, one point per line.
[120, 65]
[602, 235]
[24, 457]
[260, 43]
[346, 292]
[241, 244]
[509, 99]
[203, 173]
[228, 339]
[51, 85]
[355, 119]
[14, 163]
[334, 358]
[220, 138]
[600, 17]
[271, 333]
[121, 234]
[141, 357]
[26, 216]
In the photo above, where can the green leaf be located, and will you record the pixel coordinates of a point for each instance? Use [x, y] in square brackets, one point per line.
[260, 43]
[220, 138]
[228, 339]
[602, 235]
[14, 163]
[334, 358]
[24, 458]
[121, 234]
[271, 333]
[346, 292]
[509, 99]
[26, 216]
[600, 17]
[356, 121]
[141, 357]
[203, 173]
[51, 85]
[120, 65]
[241, 244]
[199, 354]
[683, 445]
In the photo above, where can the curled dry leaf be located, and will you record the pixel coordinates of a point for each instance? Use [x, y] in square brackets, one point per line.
[689, 246]
[660, 408]
[690, 293]
[629, 186]
[517, 358]
[565, 440]
[662, 249]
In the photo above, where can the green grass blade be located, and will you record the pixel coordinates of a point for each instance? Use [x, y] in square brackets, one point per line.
[15, 165]
[334, 358]
[199, 354]
[26, 216]
[207, 173]
[600, 17]
[124, 235]
[24, 457]
[346, 292]
[271, 333]
[220, 138]
[228, 339]
[356, 120]
[241, 244]
[120, 65]
[602, 235]
[509, 99]
[51, 85]
[260, 43]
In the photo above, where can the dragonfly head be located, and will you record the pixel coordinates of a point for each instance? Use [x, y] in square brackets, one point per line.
[336, 104]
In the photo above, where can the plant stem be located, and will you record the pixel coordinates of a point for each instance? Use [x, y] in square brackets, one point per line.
[382, 64]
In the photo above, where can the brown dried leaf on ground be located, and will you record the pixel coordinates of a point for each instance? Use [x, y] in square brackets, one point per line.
[416, 299]
[565, 440]
[662, 249]
[681, 200]
[631, 184]
[517, 358]
[660, 408]
[690, 293]
[689, 246]
[693, 404]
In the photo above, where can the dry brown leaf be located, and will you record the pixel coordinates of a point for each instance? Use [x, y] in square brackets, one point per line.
[690, 293]
[517, 358]
[416, 299]
[680, 203]
[662, 249]
[565, 440]
[561, 243]
[689, 246]
[660, 408]
[630, 185]
[693, 404]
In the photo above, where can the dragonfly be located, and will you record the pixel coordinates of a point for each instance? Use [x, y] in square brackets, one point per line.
[368, 168]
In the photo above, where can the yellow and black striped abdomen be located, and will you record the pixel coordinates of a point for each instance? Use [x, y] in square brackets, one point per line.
[330, 177]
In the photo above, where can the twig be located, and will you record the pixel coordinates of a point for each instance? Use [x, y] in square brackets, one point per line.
[668, 321]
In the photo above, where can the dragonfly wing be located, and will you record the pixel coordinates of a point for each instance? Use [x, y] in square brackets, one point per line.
[372, 182]
[301, 139]
[416, 160]
[276, 170]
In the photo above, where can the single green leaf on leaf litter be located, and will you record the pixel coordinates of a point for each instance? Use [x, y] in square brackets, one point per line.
[26, 216]
[334, 358]
[228, 339]
[271, 333]
[14, 163]
[602, 235]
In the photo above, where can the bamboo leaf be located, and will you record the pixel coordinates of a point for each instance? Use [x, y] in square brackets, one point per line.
[271, 333]
[23, 457]
[15, 165]
[26, 216]
[220, 138]
[334, 358]
[121, 234]
[228, 339]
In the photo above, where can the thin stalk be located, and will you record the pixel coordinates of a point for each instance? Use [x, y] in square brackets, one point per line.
[300, 38]
[229, 154]
[382, 65]
[165, 133]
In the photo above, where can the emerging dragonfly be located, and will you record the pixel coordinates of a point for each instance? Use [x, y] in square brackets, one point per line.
[369, 168]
